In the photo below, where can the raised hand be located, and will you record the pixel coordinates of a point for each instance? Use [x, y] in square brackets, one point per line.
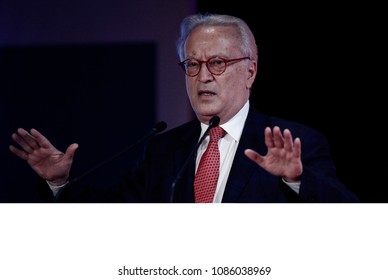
[283, 157]
[46, 160]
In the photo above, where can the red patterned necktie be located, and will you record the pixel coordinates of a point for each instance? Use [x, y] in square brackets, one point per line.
[206, 178]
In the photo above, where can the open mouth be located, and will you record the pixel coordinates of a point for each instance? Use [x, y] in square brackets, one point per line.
[206, 93]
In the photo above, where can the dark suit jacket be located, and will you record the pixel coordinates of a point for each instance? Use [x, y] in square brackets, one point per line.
[151, 180]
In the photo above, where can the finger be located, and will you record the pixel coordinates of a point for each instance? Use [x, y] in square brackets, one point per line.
[268, 138]
[20, 138]
[288, 145]
[297, 148]
[40, 139]
[70, 152]
[18, 152]
[254, 156]
[27, 139]
[277, 137]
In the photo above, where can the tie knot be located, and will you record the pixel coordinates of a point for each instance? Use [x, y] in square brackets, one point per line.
[216, 133]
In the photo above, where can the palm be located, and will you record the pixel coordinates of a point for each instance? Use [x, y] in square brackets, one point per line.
[49, 163]
[283, 156]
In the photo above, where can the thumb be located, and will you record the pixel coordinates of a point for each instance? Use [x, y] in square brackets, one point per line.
[254, 156]
[71, 150]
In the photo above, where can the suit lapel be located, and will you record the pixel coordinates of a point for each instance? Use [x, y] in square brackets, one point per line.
[243, 168]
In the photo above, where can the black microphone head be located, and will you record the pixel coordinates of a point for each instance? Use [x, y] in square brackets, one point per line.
[214, 121]
[159, 127]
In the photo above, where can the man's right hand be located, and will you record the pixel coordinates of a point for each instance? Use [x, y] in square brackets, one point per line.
[46, 160]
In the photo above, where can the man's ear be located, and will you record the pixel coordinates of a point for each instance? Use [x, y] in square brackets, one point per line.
[252, 71]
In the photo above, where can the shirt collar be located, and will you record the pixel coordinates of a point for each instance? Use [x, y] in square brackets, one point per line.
[235, 125]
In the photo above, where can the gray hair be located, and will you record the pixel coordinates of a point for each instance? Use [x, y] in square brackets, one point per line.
[189, 23]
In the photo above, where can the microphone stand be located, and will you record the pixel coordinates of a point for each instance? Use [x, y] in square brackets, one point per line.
[160, 126]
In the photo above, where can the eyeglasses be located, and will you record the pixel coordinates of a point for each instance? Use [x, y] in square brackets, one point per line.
[215, 65]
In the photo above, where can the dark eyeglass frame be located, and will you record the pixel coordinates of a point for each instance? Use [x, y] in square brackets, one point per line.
[200, 62]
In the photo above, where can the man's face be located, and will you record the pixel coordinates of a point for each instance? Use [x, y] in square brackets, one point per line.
[222, 95]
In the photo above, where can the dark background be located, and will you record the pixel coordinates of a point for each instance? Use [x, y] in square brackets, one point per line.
[78, 93]
[316, 66]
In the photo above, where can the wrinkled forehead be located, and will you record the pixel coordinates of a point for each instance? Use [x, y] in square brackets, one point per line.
[214, 32]
[211, 39]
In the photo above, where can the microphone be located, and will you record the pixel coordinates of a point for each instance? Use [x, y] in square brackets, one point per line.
[158, 127]
[214, 121]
